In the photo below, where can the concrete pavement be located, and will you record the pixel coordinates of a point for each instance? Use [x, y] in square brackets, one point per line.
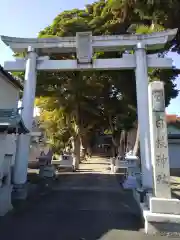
[86, 205]
[95, 164]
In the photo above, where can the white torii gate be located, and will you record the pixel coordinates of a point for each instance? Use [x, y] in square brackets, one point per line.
[84, 44]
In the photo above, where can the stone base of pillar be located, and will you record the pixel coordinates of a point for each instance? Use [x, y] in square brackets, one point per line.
[160, 216]
[164, 206]
[161, 223]
[20, 191]
[5, 200]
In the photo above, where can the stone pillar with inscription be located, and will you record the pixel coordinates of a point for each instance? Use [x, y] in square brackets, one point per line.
[164, 212]
[159, 141]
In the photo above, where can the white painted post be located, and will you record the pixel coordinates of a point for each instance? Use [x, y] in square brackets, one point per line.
[143, 114]
[29, 88]
[22, 156]
[159, 141]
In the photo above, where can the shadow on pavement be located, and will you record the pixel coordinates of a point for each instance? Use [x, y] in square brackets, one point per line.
[77, 206]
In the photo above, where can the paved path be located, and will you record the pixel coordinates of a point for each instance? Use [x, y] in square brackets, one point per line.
[96, 164]
[86, 205]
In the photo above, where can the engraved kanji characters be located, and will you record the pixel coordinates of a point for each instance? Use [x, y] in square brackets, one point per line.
[161, 160]
[161, 142]
[161, 178]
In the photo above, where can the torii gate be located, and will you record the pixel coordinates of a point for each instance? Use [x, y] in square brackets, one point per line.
[84, 44]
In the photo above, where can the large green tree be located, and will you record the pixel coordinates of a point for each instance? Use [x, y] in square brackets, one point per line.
[149, 12]
[103, 99]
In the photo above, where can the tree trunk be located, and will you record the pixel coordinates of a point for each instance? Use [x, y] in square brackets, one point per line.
[77, 146]
[86, 144]
[125, 141]
[114, 147]
[121, 148]
[113, 150]
[82, 150]
[77, 138]
[136, 145]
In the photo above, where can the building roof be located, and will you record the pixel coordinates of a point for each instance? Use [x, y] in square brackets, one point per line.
[11, 122]
[10, 78]
[173, 120]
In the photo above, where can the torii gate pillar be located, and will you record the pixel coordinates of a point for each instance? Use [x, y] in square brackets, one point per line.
[142, 81]
[23, 143]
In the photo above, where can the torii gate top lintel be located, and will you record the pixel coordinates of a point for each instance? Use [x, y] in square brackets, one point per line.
[98, 43]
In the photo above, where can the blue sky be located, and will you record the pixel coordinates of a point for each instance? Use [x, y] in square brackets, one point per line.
[21, 18]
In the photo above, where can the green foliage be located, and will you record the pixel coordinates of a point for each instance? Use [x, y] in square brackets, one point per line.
[102, 100]
[163, 13]
[56, 124]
